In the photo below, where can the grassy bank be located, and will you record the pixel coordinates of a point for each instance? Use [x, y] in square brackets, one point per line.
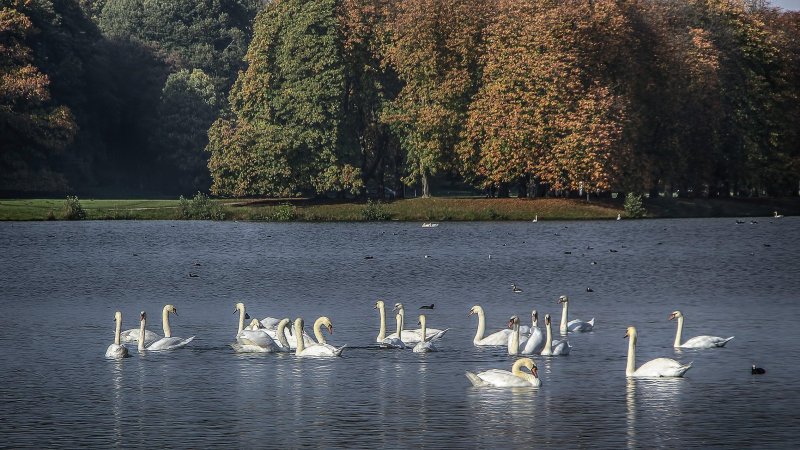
[432, 209]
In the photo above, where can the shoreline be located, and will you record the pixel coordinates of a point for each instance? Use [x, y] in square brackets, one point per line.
[435, 209]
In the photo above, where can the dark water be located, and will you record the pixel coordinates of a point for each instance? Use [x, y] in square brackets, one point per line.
[60, 284]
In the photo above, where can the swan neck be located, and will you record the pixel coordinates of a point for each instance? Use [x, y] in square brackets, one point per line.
[281, 334]
[422, 326]
[117, 332]
[241, 322]
[298, 335]
[678, 333]
[513, 343]
[399, 319]
[141, 335]
[481, 326]
[631, 367]
[563, 325]
[382, 331]
[165, 322]
[548, 344]
[318, 331]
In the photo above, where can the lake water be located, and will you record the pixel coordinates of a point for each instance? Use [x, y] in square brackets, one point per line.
[60, 283]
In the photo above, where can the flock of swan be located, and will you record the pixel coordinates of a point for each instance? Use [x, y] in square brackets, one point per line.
[272, 335]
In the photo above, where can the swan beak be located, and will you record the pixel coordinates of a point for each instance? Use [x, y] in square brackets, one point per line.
[330, 329]
[626, 335]
[535, 372]
[175, 311]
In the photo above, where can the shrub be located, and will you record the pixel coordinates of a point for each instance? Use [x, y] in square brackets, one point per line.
[375, 211]
[283, 213]
[73, 210]
[200, 207]
[633, 205]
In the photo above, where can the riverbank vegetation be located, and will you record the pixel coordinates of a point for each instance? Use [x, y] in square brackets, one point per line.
[343, 98]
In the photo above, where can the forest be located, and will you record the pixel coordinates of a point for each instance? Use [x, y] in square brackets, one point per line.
[356, 98]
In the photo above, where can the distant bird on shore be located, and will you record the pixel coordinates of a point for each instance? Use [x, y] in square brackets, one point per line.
[619, 216]
[757, 370]
[776, 215]
[740, 221]
[535, 219]
[427, 306]
[588, 289]
[515, 289]
[193, 275]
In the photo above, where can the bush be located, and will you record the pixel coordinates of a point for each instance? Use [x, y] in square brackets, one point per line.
[283, 213]
[375, 211]
[200, 208]
[73, 210]
[633, 205]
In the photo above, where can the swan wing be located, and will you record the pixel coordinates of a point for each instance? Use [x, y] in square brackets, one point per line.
[132, 336]
[524, 329]
[706, 342]
[425, 347]
[321, 350]
[392, 342]
[170, 343]
[580, 326]
[255, 337]
[498, 338]
[270, 323]
[662, 367]
[436, 336]
[535, 342]
[561, 348]
[501, 378]
[116, 351]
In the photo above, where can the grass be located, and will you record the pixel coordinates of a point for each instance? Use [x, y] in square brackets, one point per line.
[418, 209]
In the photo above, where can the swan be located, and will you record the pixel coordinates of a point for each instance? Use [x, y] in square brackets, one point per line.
[268, 323]
[659, 367]
[776, 215]
[504, 378]
[576, 325]
[318, 324]
[535, 341]
[554, 348]
[132, 335]
[165, 343]
[395, 340]
[514, 344]
[414, 336]
[535, 218]
[117, 350]
[426, 344]
[254, 339]
[312, 350]
[697, 341]
[498, 338]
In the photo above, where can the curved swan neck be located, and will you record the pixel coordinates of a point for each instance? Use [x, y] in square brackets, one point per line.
[281, 333]
[141, 335]
[241, 321]
[118, 328]
[165, 321]
[298, 335]
[678, 333]
[382, 331]
[631, 367]
[562, 327]
[318, 331]
[548, 344]
[481, 325]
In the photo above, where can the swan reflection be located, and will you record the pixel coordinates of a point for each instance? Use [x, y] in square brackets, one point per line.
[653, 405]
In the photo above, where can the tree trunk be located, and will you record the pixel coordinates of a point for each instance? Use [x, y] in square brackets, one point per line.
[426, 189]
[523, 187]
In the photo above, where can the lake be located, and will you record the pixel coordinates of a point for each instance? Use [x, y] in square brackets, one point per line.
[62, 281]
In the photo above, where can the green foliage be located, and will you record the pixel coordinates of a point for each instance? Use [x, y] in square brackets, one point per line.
[285, 212]
[72, 209]
[199, 208]
[374, 211]
[633, 205]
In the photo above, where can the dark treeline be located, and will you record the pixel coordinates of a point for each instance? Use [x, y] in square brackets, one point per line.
[344, 97]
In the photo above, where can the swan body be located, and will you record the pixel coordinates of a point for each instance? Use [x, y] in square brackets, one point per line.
[697, 341]
[254, 339]
[659, 367]
[132, 335]
[117, 350]
[318, 324]
[504, 378]
[575, 325]
[535, 341]
[413, 336]
[425, 345]
[312, 350]
[494, 339]
[395, 341]
[514, 344]
[554, 348]
[165, 343]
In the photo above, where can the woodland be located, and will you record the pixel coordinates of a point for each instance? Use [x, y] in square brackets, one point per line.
[355, 98]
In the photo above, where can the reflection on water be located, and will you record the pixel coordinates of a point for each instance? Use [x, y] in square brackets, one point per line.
[59, 391]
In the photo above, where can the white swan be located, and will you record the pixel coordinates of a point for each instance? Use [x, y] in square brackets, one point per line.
[697, 341]
[117, 350]
[504, 378]
[514, 344]
[498, 338]
[396, 339]
[554, 348]
[414, 336]
[132, 335]
[165, 343]
[426, 344]
[535, 341]
[576, 325]
[659, 367]
[312, 350]
[318, 324]
[254, 339]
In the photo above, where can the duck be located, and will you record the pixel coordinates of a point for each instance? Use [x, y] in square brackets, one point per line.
[504, 378]
[697, 341]
[117, 350]
[431, 306]
[515, 289]
[659, 367]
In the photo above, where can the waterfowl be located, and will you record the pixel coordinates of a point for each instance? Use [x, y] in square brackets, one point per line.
[117, 350]
[498, 338]
[504, 378]
[757, 370]
[575, 325]
[659, 367]
[697, 341]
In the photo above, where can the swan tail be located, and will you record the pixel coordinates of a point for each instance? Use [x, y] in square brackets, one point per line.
[684, 369]
[437, 336]
[591, 322]
[722, 344]
[338, 351]
[474, 379]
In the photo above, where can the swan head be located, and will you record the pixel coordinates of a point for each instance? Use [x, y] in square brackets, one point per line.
[284, 322]
[514, 320]
[379, 305]
[398, 307]
[118, 317]
[239, 307]
[475, 310]
[675, 315]
[631, 333]
[563, 299]
[526, 362]
[326, 322]
[142, 316]
[547, 319]
[171, 309]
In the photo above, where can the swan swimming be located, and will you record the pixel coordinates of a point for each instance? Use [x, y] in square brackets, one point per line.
[697, 341]
[495, 339]
[165, 343]
[535, 341]
[117, 350]
[395, 340]
[504, 378]
[132, 336]
[323, 350]
[426, 345]
[414, 336]
[659, 367]
[554, 348]
[576, 325]
[254, 339]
